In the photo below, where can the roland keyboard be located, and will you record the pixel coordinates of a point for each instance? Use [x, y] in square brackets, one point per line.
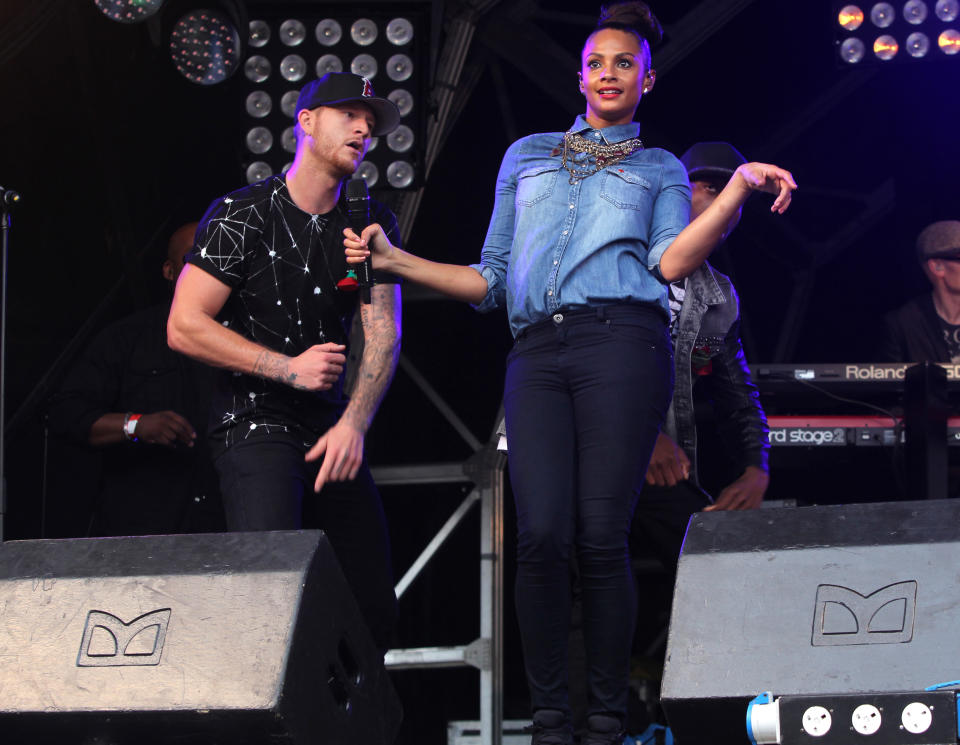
[880, 373]
[843, 431]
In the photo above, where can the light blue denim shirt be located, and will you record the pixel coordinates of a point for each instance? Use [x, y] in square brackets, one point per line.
[596, 241]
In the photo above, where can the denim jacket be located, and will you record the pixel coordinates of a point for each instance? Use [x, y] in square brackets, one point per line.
[707, 347]
[598, 240]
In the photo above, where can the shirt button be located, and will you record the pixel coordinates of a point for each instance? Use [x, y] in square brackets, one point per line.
[565, 232]
[571, 206]
[557, 317]
[555, 263]
[550, 292]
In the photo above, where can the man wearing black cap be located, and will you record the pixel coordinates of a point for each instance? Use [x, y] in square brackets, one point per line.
[260, 299]
[705, 324]
[927, 329]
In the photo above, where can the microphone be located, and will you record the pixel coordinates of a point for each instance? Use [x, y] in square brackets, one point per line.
[358, 215]
[9, 197]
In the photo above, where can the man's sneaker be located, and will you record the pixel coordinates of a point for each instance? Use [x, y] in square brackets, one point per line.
[550, 727]
[603, 730]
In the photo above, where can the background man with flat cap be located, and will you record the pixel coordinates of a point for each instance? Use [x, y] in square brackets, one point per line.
[927, 329]
[259, 299]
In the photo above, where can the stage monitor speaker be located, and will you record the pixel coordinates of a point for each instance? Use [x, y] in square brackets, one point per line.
[811, 600]
[219, 638]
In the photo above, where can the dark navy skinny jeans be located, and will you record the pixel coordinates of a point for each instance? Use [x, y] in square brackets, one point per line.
[586, 392]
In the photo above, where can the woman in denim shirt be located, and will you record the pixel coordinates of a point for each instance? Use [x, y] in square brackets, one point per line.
[587, 229]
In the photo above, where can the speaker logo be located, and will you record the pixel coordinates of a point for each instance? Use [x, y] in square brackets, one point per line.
[844, 616]
[109, 642]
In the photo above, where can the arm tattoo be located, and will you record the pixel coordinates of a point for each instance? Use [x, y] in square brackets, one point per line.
[275, 367]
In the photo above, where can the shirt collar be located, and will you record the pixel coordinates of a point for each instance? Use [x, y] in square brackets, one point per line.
[610, 135]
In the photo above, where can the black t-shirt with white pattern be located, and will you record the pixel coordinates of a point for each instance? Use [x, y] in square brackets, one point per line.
[283, 265]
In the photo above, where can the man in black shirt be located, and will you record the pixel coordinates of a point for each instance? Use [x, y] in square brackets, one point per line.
[927, 329]
[259, 298]
[144, 409]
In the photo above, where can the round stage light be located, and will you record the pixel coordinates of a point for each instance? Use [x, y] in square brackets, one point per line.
[918, 44]
[852, 51]
[329, 63]
[205, 47]
[947, 10]
[259, 104]
[882, 15]
[259, 140]
[915, 12]
[400, 174]
[293, 67]
[259, 34]
[885, 47]
[329, 32]
[363, 32]
[292, 32]
[850, 17]
[399, 31]
[949, 41]
[402, 99]
[288, 140]
[257, 68]
[399, 67]
[372, 144]
[258, 171]
[369, 173]
[288, 103]
[400, 140]
[129, 11]
[364, 65]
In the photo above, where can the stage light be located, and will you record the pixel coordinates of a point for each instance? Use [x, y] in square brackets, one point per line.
[364, 65]
[850, 17]
[329, 63]
[329, 32]
[882, 15]
[369, 172]
[914, 26]
[403, 100]
[259, 140]
[258, 171]
[387, 43]
[400, 140]
[400, 31]
[205, 46]
[400, 174]
[259, 34]
[293, 67]
[852, 51]
[949, 41]
[259, 104]
[257, 68]
[915, 12]
[399, 67]
[947, 10]
[364, 32]
[885, 47]
[129, 11]
[292, 32]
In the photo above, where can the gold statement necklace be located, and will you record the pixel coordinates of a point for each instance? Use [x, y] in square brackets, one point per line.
[593, 156]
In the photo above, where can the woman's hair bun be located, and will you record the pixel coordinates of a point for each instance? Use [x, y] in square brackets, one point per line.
[632, 15]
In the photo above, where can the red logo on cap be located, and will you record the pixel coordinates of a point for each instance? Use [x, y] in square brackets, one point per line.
[367, 89]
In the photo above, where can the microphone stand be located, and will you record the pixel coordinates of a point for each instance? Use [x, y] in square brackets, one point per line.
[8, 198]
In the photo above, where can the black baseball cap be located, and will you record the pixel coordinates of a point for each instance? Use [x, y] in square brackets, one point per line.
[706, 159]
[345, 87]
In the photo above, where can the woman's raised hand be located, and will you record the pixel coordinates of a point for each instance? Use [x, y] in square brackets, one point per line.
[771, 179]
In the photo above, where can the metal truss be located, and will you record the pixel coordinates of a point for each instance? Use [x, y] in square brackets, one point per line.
[484, 469]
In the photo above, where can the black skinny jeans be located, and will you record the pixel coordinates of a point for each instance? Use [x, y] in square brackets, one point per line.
[586, 392]
[267, 485]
